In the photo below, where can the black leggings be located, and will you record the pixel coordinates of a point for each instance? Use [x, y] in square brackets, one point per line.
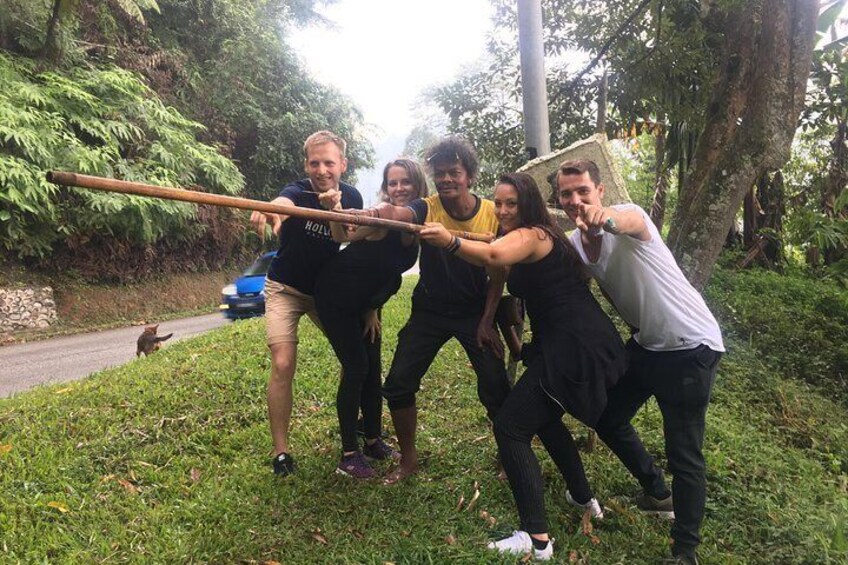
[361, 378]
[529, 411]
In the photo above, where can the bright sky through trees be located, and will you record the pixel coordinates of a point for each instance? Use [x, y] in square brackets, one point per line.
[382, 53]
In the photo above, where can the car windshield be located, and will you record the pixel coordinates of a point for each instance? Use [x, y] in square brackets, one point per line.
[260, 267]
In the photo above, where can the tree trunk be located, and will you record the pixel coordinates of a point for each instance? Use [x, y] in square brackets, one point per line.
[835, 183]
[601, 121]
[51, 49]
[750, 122]
[661, 180]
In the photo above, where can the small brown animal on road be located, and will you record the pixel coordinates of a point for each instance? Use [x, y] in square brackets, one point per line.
[148, 341]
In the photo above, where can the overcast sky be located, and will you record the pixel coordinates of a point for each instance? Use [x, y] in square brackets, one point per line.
[383, 53]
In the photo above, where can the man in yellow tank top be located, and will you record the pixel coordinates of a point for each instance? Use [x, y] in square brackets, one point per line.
[453, 299]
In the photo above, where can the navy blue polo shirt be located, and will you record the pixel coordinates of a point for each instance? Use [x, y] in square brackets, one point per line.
[306, 245]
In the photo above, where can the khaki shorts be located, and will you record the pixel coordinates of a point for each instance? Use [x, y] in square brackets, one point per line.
[284, 307]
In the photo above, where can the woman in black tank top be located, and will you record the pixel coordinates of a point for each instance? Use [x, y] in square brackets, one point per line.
[349, 292]
[575, 354]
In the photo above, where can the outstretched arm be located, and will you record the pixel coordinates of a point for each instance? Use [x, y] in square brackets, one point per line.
[386, 211]
[617, 222]
[341, 232]
[514, 247]
[261, 219]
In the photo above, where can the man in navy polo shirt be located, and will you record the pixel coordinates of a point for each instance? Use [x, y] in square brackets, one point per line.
[305, 246]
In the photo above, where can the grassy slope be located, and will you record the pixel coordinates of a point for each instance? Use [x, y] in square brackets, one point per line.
[166, 460]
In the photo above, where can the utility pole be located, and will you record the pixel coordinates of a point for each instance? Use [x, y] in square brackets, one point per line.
[537, 132]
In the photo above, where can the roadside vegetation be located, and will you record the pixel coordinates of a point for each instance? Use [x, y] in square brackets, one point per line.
[167, 460]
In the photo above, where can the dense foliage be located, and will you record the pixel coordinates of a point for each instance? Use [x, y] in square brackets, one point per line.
[101, 122]
[659, 59]
[206, 94]
[797, 324]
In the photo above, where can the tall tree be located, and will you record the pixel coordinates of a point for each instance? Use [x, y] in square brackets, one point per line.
[752, 115]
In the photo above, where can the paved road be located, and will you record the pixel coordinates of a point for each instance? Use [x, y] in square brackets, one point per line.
[69, 358]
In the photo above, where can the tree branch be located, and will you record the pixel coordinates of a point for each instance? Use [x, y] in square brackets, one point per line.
[610, 42]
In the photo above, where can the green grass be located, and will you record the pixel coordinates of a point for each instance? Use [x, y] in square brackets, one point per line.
[166, 460]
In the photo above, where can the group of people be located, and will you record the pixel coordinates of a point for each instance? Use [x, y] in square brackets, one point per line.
[576, 361]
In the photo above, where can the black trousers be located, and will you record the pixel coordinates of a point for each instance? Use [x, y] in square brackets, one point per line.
[529, 411]
[682, 382]
[418, 343]
[361, 375]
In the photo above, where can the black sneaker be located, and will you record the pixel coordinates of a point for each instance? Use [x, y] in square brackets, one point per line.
[284, 464]
[663, 507]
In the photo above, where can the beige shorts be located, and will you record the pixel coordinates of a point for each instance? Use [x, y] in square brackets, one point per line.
[284, 307]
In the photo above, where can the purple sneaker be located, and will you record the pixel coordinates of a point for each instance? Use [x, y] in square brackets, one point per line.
[380, 450]
[355, 465]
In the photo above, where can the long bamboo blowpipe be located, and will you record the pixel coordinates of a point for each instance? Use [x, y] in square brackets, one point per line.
[126, 187]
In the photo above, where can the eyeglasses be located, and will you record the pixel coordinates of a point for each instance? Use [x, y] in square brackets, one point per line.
[442, 156]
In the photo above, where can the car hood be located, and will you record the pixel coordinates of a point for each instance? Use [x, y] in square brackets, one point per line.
[245, 285]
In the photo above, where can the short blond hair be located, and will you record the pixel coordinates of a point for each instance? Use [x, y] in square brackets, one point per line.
[322, 137]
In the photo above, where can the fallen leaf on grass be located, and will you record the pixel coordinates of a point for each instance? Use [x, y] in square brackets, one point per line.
[63, 390]
[460, 503]
[5, 448]
[195, 475]
[271, 563]
[58, 506]
[450, 539]
[478, 439]
[357, 534]
[318, 536]
[475, 497]
[128, 486]
[490, 520]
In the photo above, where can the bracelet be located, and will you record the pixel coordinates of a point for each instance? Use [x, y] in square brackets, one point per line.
[453, 246]
[610, 226]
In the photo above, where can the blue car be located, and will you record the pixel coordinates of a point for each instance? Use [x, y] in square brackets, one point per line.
[245, 297]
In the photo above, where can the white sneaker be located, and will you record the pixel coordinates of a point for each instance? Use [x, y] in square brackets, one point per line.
[544, 554]
[592, 505]
[518, 543]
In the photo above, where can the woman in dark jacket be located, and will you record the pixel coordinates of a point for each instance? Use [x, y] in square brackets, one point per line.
[348, 295]
[575, 355]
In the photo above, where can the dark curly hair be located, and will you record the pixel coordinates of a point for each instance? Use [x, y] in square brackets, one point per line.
[453, 149]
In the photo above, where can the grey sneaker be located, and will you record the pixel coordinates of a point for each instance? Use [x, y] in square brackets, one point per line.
[592, 505]
[380, 450]
[355, 465]
[663, 507]
[284, 465]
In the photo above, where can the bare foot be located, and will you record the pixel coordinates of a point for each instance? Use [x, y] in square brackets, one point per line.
[398, 474]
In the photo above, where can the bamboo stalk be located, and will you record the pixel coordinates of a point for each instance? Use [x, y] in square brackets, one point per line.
[126, 187]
